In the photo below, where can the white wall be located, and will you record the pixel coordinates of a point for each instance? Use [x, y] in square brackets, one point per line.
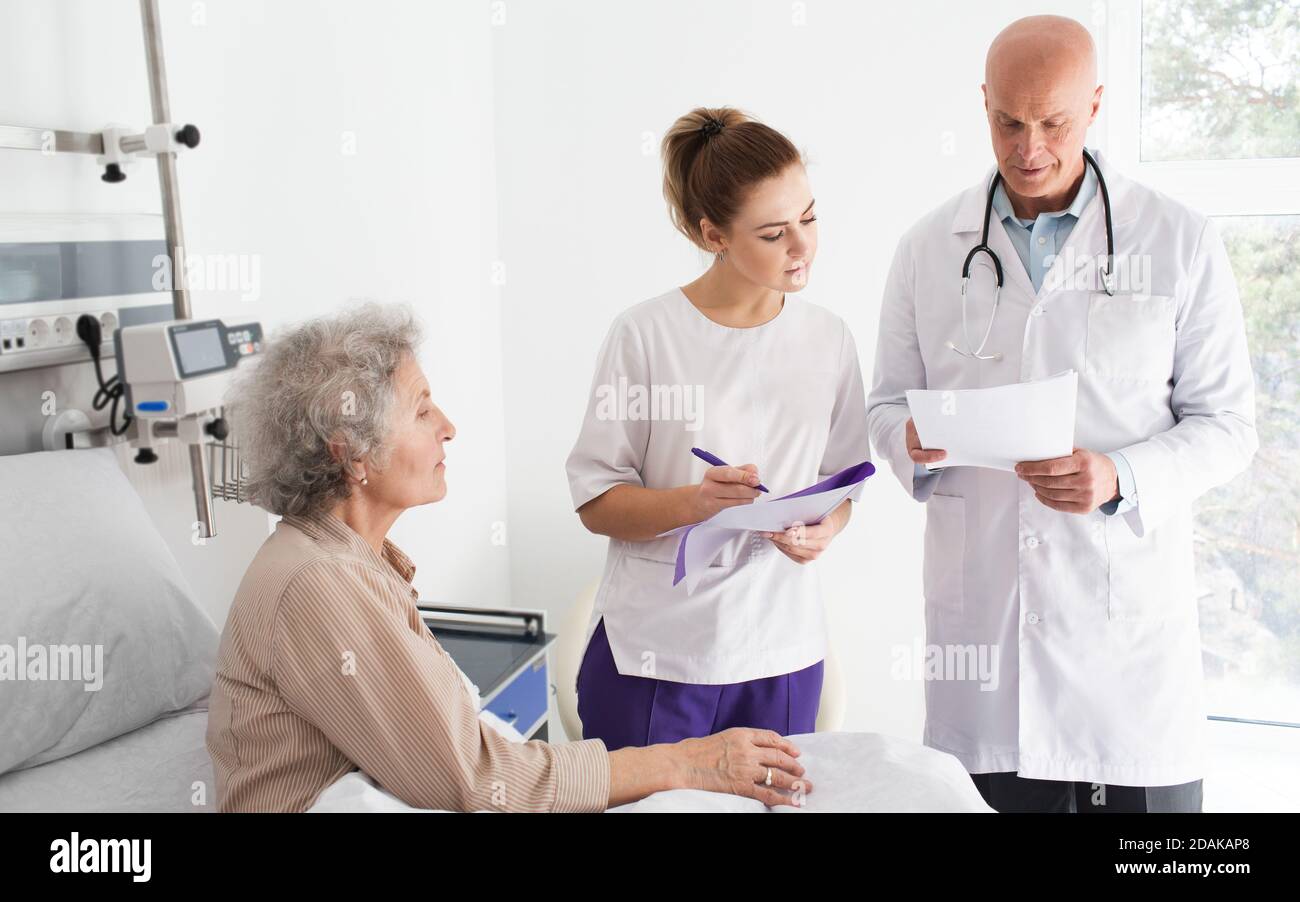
[885, 100]
[411, 216]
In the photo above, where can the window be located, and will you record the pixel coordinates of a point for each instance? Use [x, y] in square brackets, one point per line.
[1202, 102]
[1220, 79]
[1248, 531]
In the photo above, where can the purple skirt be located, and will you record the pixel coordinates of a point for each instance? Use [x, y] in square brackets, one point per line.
[626, 710]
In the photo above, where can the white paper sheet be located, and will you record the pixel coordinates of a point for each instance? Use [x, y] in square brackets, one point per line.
[998, 427]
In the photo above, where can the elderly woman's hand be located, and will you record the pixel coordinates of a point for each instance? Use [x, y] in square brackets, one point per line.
[736, 761]
[740, 761]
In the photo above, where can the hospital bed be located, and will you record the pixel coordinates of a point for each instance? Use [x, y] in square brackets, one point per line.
[84, 566]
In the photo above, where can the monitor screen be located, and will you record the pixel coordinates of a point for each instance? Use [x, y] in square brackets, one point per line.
[199, 350]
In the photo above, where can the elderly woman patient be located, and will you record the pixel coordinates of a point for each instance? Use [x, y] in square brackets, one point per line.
[325, 666]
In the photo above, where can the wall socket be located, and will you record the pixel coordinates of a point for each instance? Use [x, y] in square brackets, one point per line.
[37, 333]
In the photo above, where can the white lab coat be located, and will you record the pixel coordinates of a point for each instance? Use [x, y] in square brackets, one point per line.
[1093, 617]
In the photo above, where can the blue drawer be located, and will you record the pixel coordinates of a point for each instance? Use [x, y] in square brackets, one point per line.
[526, 698]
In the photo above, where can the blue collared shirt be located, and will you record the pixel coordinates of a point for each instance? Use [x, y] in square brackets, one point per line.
[1037, 242]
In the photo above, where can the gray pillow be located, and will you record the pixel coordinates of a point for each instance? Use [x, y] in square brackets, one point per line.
[82, 569]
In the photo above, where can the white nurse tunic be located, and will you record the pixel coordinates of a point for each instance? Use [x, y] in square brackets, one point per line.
[787, 396]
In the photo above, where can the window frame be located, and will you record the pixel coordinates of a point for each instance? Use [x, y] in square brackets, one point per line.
[1240, 187]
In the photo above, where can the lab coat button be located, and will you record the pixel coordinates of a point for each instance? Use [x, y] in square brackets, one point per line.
[1031, 542]
[1038, 311]
[1042, 240]
[1031, 617]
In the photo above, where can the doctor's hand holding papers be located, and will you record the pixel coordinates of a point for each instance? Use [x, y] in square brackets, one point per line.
[997, 427]
[1025, 427]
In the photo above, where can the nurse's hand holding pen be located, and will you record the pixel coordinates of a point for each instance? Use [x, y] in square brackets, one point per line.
[637, 514]
[724, 487]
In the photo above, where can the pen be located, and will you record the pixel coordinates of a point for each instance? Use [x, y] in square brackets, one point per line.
[718, 462]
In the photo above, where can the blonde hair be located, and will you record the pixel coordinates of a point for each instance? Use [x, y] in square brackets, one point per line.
[712, 157]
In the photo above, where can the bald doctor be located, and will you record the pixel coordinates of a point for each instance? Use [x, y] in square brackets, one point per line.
[1077, 571]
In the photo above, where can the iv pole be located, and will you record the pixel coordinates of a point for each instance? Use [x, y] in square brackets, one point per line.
[171, 205]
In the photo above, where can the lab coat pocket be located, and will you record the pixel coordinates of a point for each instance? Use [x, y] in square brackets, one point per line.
[1150, 578]
[1131, 337]
[945, 552]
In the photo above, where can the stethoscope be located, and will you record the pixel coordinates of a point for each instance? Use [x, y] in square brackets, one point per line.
[983, 247]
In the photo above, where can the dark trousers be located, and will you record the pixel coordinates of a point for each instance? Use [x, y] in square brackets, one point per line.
[1009, 792]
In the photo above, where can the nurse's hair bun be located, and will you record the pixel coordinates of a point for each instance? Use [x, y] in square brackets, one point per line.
[712, 157]
[712, 127]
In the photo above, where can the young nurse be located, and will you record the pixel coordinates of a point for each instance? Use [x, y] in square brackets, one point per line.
[736, 364]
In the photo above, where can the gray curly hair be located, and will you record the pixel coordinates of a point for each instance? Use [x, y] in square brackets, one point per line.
[327, 380]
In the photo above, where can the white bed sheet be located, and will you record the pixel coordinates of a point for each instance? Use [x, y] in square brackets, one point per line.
[865, 772]
[154, 768]
[862, 772]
